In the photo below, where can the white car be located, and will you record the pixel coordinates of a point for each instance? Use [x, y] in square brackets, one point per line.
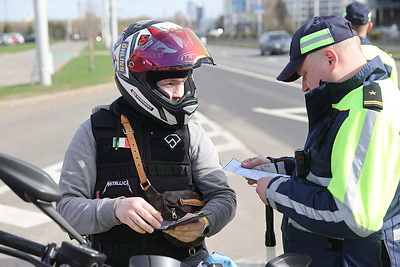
[17, 37]
[6, 39]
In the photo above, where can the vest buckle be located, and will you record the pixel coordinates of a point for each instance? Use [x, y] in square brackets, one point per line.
[146, 185]
[192, 251]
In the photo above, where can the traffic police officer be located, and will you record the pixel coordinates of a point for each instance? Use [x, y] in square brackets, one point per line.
[360, 16]
[340, 205]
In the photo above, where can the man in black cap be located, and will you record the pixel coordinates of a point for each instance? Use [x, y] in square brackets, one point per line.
[340, 204]
[360, 16]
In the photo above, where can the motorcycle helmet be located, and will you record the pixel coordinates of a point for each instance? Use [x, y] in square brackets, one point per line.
[150, 50]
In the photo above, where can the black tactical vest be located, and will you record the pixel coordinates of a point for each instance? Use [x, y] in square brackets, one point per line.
[165, 156]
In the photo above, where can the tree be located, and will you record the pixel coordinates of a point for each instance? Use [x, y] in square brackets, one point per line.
[7, 28]
[92, 30]
[276, 16]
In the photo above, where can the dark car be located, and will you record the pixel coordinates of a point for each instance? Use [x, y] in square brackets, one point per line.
[30, 37]
[274, 42]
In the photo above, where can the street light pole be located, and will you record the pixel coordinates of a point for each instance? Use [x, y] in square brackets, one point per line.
[316, 8]
[105, 20]
[45, 65]
[259, 11]
[113, 21]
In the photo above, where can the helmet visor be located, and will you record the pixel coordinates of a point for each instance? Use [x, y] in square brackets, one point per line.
[173, 50]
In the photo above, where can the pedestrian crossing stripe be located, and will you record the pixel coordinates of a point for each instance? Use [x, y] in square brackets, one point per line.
[22, 217]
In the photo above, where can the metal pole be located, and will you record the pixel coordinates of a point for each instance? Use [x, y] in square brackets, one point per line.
[42, 42]
[316, 8]
[259, 12]
[105, 22]
[113, 22]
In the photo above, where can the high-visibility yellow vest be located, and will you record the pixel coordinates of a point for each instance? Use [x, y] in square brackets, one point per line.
[370, 51]
[365, 156]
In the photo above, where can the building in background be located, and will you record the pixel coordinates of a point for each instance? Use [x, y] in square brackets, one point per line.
[242, 16]
[387, 12]
[304, 10]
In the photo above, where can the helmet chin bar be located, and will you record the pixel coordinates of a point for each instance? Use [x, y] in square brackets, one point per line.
[190, 109]
[189, 113]
[166, 117]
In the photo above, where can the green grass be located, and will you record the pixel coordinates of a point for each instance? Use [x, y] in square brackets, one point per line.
[77, 73]
[19, 47]
[99, 46]
[16, 48]
[74, 75]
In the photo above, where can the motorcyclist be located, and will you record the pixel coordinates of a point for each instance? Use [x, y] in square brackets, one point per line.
[153, 64]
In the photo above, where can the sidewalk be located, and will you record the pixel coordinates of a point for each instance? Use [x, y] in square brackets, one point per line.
[20, 68]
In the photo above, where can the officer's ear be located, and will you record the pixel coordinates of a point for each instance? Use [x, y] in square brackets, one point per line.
[370, 26]
[331, 58]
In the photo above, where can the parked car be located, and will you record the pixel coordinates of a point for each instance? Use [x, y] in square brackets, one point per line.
[30, 37]
[6, 39]
[17, 37]
[274, 42]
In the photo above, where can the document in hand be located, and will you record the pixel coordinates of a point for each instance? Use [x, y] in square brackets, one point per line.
[167, 225]
[234, 166]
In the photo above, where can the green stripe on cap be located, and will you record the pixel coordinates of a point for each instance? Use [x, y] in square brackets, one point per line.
[315, 40]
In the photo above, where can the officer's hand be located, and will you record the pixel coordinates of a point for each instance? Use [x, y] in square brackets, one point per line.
[261, 189]
[253, 162]
[137, 214]
[187, 232]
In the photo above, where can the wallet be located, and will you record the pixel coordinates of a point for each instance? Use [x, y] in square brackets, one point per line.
[167, 225]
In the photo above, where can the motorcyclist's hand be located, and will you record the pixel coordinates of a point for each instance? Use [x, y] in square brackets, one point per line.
[137, 214]
[187, 232]
[250, 163]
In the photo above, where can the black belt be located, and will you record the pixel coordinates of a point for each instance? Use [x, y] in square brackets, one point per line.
[314, 240]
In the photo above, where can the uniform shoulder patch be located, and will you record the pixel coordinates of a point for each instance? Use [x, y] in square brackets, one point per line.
[372, 96]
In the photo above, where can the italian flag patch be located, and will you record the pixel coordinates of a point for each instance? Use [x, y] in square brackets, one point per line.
[120, 142]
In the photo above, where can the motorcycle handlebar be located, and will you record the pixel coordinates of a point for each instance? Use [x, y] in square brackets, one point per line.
[22, 244]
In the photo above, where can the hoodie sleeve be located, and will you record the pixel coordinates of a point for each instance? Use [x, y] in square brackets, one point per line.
[77, 181]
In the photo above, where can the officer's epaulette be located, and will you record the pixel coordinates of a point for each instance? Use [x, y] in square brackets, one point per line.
[372, 96]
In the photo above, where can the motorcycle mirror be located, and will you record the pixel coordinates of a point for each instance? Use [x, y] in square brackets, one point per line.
[28, 181]
[290, 260]
[34, 185]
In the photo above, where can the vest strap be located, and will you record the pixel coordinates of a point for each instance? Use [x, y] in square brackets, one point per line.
[144, 182]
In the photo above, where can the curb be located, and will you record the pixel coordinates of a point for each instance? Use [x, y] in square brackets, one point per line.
[10, 103]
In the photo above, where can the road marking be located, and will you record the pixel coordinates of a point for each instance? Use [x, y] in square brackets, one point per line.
[214, 131]
[4, 189]
[21, 217]
[54, 171]
[287, 113]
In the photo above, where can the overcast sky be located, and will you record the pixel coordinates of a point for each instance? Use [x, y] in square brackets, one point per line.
[20, 10]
